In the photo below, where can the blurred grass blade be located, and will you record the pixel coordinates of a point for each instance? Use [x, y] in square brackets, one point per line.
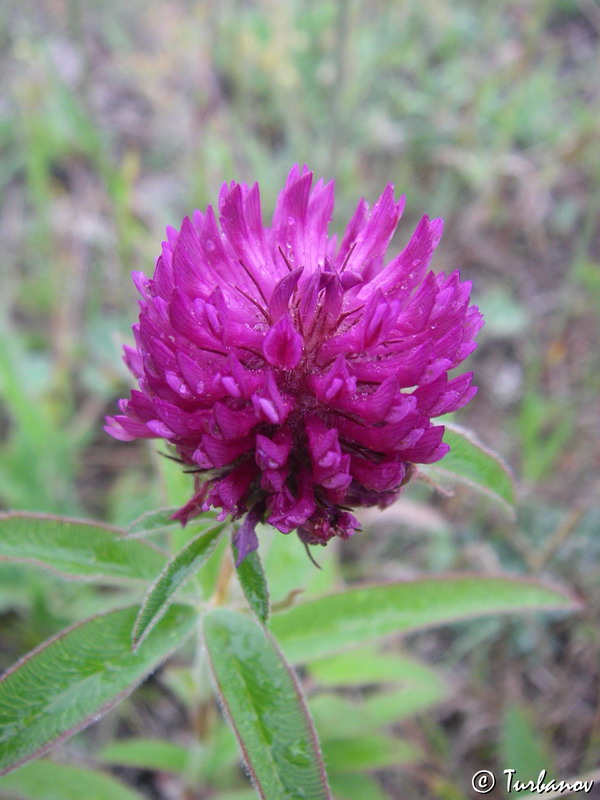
[251, 576]
[413, 684]
[175, 574]
[357, 787]
[363, 753]
[367, 666]
[70, 680]
[76, 549]
[386, 708]
[153, 754]
[45, 780]
[340, 621]
[264, 704]
[38, 455]
[521, 748]
[471, 463]
[336, 716]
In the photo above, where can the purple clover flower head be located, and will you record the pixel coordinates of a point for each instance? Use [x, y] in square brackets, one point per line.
[299, 377]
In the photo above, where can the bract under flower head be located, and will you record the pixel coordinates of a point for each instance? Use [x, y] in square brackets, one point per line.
[299, 377]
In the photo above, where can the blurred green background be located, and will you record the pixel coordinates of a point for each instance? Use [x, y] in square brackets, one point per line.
[117, 119]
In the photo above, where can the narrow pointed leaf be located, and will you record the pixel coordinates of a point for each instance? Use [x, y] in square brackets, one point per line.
[521, 747]
[152, 754]
[77, 549]
[368, 666]
[412, 684]
[154, 522]
[340, 621]
[72, 679]
[175, 574]
[253, 581]
[361, 753]
[385, 708]
[151, 522]
[263, 701]
[45, 780]
[472, 463]
[338, 717]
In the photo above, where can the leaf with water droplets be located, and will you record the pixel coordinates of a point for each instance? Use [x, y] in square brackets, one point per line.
[77, 549]
[263, 701]
[75, 677]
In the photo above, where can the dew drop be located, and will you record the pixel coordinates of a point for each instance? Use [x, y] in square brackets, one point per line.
[209, 244]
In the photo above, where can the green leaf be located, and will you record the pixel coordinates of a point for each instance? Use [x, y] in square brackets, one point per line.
[251, 576]
[336, 716]
[289, 568]
[340, 621]
[340, 717]
[521, 747]
[362, 753]
[356, 787]
[45, 780]
[151, 754]
[161, 520]
[72, 679]
[367, 666]
[175, 574]
[151, 522]
[420, 686]
[472, 463]
[385, 708]
[263, 701]
[76, 549]
[209, 575]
